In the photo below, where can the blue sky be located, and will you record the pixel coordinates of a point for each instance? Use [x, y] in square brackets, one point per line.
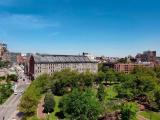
[100, 27]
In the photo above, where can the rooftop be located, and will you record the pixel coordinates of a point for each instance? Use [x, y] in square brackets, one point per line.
[62, 59]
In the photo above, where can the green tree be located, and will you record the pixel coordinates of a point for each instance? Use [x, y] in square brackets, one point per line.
[101, 92]
[87, 78]
[143, 71]
[49, 103]
[81, 105]
[5, 92]
[157, 71]
[64, 81]
[28, 104]
[122, 60]
[129, 111]
[122, 77]
[136, 86]
[12, 77]
[102, 67]
[30, 98]
[58, 88]
[110, 76]
[3, 64]
[100, 77]
[157, 96]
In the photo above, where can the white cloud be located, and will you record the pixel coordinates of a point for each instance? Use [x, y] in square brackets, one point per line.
[26, 21]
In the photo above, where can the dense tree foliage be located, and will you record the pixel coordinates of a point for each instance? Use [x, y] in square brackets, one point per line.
[141, 85]
[129, 111]
[2, 78]
[63, 80]
[28, 103]
[157, 71]
[102, 67]
[81, 105]
[3, 64]
[12, 77]
[5, 91]
[87, 78]
[101, 76]
[122, 60]
[111, 76]
[49, 103]
[101, 92]
[30, 99]
[154, 98]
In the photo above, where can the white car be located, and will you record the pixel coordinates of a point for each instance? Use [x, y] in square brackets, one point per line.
[15, 92]
[14, 118]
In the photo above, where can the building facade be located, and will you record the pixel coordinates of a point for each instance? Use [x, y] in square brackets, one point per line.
[3, 49]
[4, 53]
[13, 57]
[147, 56]
[22, 59]
[128, 67]
[40, 64]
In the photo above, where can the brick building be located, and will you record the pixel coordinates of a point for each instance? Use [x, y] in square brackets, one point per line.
[128, 67]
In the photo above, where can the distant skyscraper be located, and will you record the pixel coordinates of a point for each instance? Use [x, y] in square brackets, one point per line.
[147, 56]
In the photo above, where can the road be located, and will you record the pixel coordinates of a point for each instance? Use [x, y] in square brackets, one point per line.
[9, 108]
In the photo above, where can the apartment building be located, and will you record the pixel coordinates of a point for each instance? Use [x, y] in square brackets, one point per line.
[147, 56]
[128, 67]
[40, 64]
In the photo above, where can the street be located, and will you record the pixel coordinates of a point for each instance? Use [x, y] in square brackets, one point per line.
[8, 110]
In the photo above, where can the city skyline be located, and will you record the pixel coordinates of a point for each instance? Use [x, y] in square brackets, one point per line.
[72, 27]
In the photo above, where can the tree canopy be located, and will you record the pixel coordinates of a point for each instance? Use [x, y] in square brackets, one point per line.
[81, 105]
[49, 103]
[129, 111]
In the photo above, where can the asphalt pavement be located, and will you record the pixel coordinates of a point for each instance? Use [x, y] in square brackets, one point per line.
[9, 108]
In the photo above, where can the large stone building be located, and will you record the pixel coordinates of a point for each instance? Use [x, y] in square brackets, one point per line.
[40, 64]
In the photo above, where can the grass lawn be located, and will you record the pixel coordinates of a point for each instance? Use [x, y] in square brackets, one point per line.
[56, 109]
[150, 115]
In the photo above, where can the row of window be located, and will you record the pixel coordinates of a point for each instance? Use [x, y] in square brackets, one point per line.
[58, 69]
[53, 67]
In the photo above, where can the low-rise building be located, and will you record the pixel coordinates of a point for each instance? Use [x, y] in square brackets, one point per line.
[128, 67]
[3, 72]
[13, 57]
[40, 64]
[3, 49]
[22, 59]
